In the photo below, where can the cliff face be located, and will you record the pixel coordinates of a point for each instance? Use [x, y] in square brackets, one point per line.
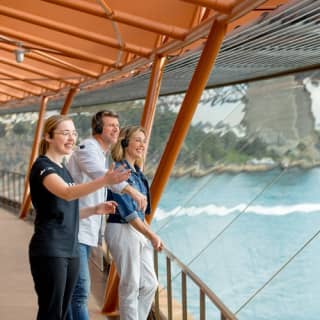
[279, 111]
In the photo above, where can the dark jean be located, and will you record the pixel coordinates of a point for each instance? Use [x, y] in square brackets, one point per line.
[78, 309]
[54, 281]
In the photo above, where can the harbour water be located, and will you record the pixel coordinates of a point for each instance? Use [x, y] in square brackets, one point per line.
[236, 231]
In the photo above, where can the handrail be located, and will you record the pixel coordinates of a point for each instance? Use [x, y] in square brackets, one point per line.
[11, 188]
[204, 290]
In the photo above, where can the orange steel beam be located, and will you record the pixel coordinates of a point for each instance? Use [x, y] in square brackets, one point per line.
[201, 30]
[48, 59]
[62, 49]
[123, 17]
[184, 118]
[12, 95]
[197, 33]
[111, 292]
[111, 295]
[68, 101]
[26, 67]
[223, 6]
[14, 76]
[34, 153]
[244, 6]
[152, 94]
[17, 87]
[77, 32]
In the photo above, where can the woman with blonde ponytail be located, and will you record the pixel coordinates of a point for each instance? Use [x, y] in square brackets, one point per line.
[53, 249]
[130, 239]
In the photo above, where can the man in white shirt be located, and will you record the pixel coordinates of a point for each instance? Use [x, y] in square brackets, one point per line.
[89, 161]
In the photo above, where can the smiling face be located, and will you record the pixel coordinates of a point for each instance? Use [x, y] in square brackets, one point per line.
[63, 138]
[110, 130]
[136, 146]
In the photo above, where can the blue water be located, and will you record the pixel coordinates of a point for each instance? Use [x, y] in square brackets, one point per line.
[267, 217]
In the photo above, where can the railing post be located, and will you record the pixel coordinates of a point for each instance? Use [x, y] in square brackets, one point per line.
[157, 295]
[14, 186]
[184, 295]
[169, 289]
[202, 305]
[8, 185]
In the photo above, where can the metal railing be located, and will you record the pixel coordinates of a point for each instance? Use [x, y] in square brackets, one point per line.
[11, 188]
[205, 293]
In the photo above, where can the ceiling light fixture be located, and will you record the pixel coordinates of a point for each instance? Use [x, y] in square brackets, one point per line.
[19, 53]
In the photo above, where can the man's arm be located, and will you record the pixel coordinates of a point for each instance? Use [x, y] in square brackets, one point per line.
[89, 159]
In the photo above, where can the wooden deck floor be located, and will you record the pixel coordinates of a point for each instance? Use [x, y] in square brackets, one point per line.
[17, 296]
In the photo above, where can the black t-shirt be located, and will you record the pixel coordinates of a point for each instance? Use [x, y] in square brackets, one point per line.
[57, 220]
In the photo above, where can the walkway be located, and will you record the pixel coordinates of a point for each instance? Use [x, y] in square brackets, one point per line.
[17, 297]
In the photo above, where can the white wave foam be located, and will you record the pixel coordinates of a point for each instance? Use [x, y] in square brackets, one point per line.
[224, 211]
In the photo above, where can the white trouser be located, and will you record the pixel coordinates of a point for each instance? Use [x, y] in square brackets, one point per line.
[133, 256]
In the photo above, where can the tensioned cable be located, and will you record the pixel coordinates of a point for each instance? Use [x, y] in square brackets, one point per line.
[273, 181]
[205, 182]
[278, 271]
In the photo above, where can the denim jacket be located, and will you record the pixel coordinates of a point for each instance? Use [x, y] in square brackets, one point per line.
[127, 208]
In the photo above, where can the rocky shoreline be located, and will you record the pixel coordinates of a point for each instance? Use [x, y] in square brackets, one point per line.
[196, 171]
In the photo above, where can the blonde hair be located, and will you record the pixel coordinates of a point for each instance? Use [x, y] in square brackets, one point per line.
[118, 149]
[50, 125]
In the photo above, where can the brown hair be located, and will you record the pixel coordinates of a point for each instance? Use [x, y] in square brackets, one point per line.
[118, 150]
[50, 125]
[97, 122]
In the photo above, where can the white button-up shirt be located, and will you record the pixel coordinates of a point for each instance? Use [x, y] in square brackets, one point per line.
[87, 163]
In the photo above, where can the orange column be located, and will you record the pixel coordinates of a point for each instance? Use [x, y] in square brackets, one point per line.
[34, 153]
[111, 295]
[69, 99]
[184, 118]
[152, 95]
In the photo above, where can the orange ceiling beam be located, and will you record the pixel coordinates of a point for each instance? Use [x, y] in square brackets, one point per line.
[77, 32]
[53, 61]
[13, 75]
[10, 94]
[17, 87]
[243, 7]
[61, 49]
[223, 6]
[231, 8]
[24, 66]
[123, 17]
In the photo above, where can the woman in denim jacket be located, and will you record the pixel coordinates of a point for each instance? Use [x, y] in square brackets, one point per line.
[130, 239]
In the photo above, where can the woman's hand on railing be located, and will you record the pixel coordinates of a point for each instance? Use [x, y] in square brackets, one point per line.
[156, 242]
